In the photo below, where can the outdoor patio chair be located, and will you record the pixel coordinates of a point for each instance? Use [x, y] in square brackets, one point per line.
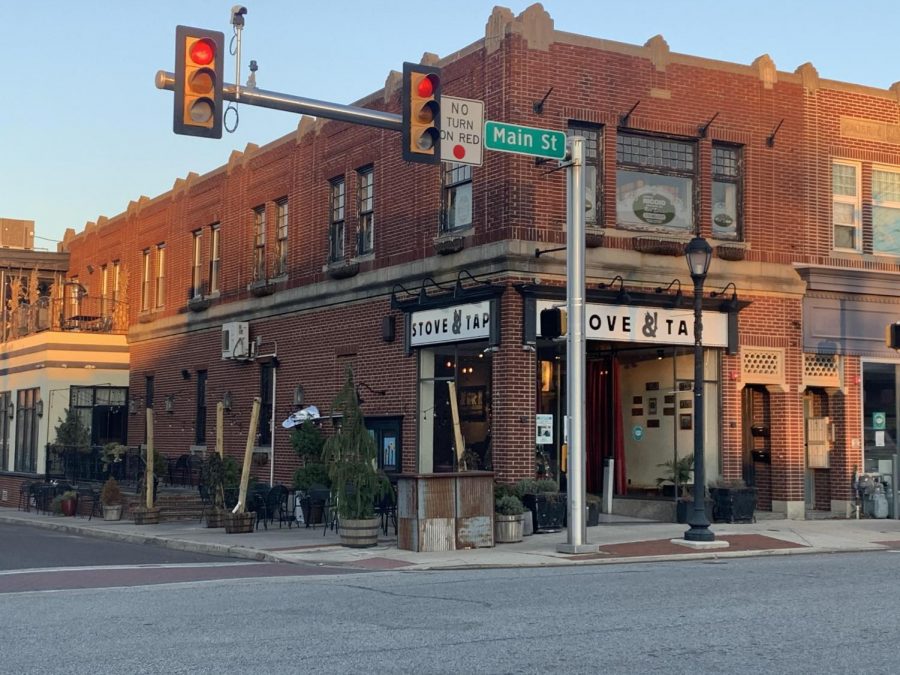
[88, 500]
[386, 509]
[206, 498]
[276, 505]
[25, 497]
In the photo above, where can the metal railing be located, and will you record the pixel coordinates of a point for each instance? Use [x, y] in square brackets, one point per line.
[99, 315]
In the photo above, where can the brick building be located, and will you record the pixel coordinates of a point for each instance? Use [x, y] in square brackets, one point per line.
[321, 250]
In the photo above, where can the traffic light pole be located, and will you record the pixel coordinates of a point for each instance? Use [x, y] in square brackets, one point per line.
[297, 104]
[576, 536]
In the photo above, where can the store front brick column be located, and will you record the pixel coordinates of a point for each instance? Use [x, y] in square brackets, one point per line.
[788, 454]
[513, 404]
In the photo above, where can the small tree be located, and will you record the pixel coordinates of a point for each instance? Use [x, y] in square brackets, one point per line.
[351, 457]
[72, 433]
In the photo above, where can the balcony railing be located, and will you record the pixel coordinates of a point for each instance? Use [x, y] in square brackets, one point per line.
[99, 315]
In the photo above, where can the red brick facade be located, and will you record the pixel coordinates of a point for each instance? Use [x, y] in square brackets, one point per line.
[787, 126]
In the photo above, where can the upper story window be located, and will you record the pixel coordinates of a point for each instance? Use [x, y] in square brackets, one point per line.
[145, 280]
[259, 243]
[457, 197]
[336, 220]
[196, 262]
[214, 258]
[845, 208]
[104, 290]
[114, 282]
[726, 191]
[365, 198]
[886, 210]
[160, 275]
[281, 236]
[655, 182]
[591, 135]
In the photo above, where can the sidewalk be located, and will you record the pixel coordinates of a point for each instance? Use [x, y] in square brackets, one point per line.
[621, 539]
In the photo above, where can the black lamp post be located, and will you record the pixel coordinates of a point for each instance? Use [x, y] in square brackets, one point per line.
[698, 253]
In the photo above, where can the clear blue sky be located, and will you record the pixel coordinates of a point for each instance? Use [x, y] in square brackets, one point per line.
[83, 130]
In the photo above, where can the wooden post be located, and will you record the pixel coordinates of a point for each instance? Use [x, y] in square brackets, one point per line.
[220, 430]
[241, 506]
[457, 431]
[150, 458]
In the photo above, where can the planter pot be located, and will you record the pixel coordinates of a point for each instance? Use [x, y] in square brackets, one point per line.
[548, 511]
[68, 507]
[508, 529]
[527, 524]
[361, 533]
[733, 505]
[683, 507]
[215, 518]
[239, 523]
[112, 512]
[593, 514]
[145, 516]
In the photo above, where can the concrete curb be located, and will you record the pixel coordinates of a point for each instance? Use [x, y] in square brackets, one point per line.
[176, 544]
[246, 553]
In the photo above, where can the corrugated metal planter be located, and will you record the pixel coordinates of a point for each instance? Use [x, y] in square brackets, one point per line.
[508, 529]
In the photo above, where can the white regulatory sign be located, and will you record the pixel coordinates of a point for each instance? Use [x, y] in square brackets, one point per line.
[462, 130]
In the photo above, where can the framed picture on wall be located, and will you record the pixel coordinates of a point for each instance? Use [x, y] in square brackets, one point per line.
[472, 403]
[651, 405]
[685, 421]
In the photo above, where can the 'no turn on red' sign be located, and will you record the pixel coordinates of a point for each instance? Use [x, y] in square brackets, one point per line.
[462, 130]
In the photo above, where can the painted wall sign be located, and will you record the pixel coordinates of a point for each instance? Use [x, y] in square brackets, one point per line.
[450, 324]
[657, 325]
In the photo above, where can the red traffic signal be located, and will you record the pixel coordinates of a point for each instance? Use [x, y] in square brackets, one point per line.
[421, 102]
[199, 54]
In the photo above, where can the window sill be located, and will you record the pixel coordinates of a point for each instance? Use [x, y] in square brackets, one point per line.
[364, 257]
[146, 316]
[261, 287]
[451, 242]
[731, 251]
[342, 269]
[199, 303]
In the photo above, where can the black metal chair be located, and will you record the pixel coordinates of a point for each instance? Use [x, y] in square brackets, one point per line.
[206, 498]
[256, 502]
[276, 505]
[386, 509]
[24, 497]
[88, 497]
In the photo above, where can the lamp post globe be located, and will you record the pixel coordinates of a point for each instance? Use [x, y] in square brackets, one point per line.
[698, 254]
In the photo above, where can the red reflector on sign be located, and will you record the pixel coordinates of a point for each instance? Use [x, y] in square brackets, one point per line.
[203, 52]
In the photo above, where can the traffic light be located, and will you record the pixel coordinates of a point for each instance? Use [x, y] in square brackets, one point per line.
[421, 113]
[554, 322]
[892, 335]
[199, 54]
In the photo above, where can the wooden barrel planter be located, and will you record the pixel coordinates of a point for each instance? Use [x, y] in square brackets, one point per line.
[145, 516]
[359, 533]
[508, 529]
[239, 523]
[215, 518]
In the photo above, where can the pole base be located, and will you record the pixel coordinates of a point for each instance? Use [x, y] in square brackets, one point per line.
[699, 533]
[701, 545]
[577, 548]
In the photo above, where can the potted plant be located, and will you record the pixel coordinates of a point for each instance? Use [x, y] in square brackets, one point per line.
[308, 442]
[217, 475]
[68, 502]
[111, 455]
[350, 455]
[733, 501]
[546, 503]
[111, 498]
[508, 511]
[677, 474]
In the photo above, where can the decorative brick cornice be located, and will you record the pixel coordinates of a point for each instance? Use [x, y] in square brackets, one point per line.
[765, 68]
[658, 52]
[809, 76]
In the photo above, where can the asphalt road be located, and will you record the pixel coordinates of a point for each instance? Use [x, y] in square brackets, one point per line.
[34, 559]
[783, 614]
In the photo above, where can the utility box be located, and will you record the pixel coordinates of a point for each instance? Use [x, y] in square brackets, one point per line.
[236, 340]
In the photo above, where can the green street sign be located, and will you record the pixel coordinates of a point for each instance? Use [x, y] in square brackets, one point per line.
[524, 140]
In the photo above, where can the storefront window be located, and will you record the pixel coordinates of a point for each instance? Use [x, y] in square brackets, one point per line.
[879, 416]
[467, 370]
